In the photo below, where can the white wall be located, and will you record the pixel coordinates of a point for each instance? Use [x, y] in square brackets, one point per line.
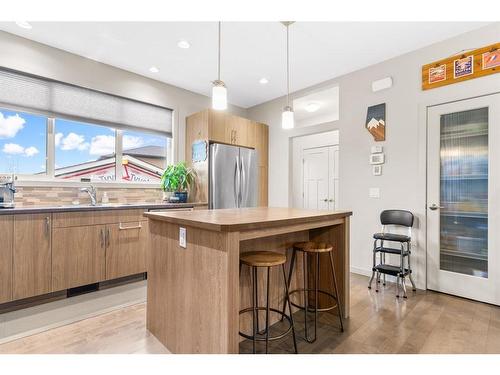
[39, 59]
[299, 144]
[402, 184]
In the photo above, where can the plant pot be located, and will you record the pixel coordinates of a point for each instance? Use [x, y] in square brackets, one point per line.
[167, 195]
[182, 195]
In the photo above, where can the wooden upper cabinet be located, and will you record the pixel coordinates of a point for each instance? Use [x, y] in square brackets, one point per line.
[6, 248]
[78, 256]
[217, 126]
[31, 273]
[126, 251]
[262, 143]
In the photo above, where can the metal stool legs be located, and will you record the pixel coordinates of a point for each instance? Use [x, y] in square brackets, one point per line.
[305, 291]
[255, 312]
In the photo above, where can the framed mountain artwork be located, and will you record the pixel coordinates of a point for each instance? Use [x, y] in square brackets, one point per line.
[375, 121]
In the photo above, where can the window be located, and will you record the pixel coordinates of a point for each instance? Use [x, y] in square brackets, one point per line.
[23, 143]
[144, 156]
[68, 132]
[84, 151]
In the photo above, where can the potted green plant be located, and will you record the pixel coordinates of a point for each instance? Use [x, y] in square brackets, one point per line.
[177, 178]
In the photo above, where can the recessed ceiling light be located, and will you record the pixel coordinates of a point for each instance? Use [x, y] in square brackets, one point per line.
[264, 81]
[154, 69]
[184, 44]
[312, 106]
[24, 24]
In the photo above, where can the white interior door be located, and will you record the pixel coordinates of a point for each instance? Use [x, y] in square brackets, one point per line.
[320, 177]
[463, 205]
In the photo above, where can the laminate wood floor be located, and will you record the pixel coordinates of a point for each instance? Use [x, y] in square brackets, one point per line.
[427, 322]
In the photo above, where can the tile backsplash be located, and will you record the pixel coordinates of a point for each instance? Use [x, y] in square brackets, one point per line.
[62, 196]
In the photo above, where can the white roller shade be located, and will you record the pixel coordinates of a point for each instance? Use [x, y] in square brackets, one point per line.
[63, 100]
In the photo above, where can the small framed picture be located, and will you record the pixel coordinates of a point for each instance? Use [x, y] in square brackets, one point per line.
[491, 59]
[437, 73]
[463, 67]
[377, 158]
[377, 170]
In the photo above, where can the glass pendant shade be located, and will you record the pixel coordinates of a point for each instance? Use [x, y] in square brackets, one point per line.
[287, 119]
[219, 96]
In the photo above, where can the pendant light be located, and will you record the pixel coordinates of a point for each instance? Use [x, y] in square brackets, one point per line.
[287, 118]
[219, 91]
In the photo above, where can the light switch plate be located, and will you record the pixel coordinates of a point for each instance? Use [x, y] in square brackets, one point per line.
[377, 149]
[374, 192]
[182, 237]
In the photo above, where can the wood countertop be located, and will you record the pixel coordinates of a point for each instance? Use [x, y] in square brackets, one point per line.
[241, 219]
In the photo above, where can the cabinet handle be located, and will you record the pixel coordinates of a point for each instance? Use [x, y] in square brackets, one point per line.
[102, 237]
[330, 200]
[107, 237]
[47, 226]
[121, 227]
[325, 200]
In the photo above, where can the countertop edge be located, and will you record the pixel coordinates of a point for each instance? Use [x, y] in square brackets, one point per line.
[245, 226]
[58, 209]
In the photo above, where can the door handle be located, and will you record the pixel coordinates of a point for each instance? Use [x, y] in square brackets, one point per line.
[330, 200]
[236, 178]
[325, 200]
[434, 207]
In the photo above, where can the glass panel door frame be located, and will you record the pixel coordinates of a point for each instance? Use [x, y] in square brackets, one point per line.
[478, 287]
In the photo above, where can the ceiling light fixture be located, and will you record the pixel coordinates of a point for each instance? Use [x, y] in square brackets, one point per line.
[154, 69]
[184, 44]
[287, 118]
[24, 24]
[264, 81]
[219, 90]
[312, 106]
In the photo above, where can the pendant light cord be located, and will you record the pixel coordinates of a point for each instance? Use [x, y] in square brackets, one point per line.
[287, 67]
[218, 62]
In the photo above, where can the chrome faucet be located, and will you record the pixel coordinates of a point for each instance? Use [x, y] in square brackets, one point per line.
[92, 192]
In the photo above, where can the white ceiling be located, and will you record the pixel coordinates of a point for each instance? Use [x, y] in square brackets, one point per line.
[250, 50]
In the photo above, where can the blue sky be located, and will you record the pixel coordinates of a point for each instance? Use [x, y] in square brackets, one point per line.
[23, 142]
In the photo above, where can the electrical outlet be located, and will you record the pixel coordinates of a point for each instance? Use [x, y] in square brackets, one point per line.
[182, 237]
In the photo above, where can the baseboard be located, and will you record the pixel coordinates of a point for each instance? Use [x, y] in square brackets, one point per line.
[361, 271]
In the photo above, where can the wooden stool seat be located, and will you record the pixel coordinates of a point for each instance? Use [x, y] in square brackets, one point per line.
[262, 259]
[313, 247]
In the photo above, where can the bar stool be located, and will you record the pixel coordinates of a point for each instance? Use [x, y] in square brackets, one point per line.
[266, 259]
[314, 248]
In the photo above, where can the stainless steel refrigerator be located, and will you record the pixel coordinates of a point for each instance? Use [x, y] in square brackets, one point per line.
[232, 177]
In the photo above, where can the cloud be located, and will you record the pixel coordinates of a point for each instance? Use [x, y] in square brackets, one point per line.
[15, 149]
[58, 138]
[72, 141]
[102, 145]
[31, 151]
[130, 142]
[9, 126]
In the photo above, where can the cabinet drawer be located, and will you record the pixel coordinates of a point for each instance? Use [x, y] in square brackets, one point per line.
[74, 219]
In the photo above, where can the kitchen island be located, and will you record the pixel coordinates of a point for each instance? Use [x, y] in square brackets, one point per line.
[195, 292]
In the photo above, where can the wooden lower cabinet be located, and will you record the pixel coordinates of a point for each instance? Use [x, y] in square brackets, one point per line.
[6, 248]
[78, 256]
[31, 264]
[126, 250]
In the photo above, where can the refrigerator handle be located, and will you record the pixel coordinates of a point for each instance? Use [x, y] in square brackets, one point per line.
[242, 180]
[236, 181]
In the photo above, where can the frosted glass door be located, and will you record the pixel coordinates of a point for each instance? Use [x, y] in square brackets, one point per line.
[464, 192]
[463, 205]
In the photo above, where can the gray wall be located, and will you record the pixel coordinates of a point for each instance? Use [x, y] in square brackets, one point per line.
[402, 184]
[28, 56]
